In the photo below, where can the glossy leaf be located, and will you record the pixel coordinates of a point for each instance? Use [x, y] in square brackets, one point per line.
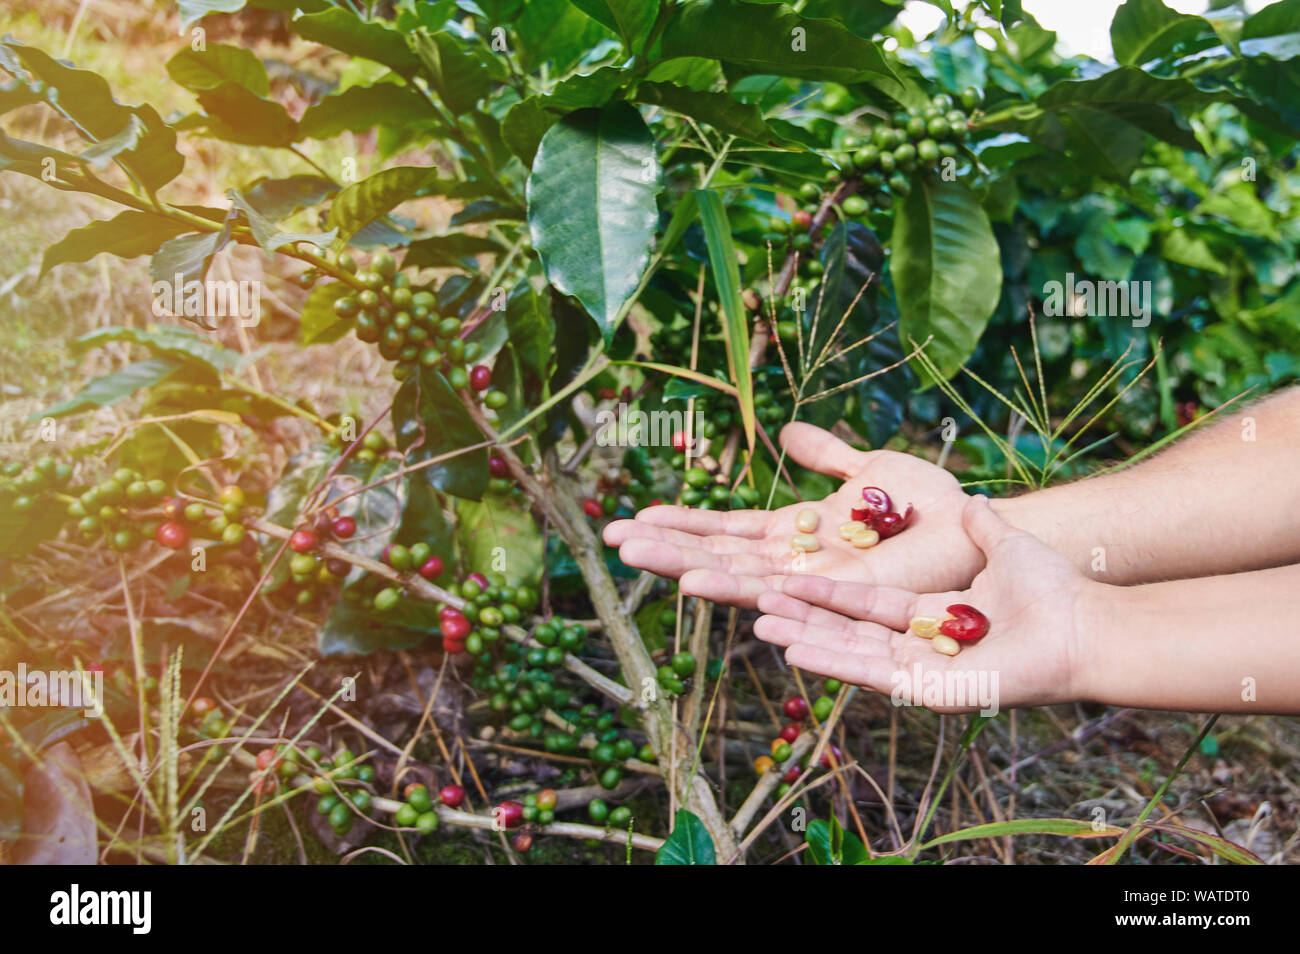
[377, 195]
[318, 323]
[689, 843]
[115, 386]
[719, 110]
[591, 208]
[946, 269]
[219, 63]
[126, 235]
[830, 844]
[1145, 30]
[360, 108]
[496, 534]
[630, 19]
[429, 420]
[345, 31]
[447, 251]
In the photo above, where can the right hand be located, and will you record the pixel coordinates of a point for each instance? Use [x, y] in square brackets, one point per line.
[732, 557]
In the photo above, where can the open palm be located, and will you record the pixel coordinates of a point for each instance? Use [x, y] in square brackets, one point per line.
[1031, 596]
[743, 553]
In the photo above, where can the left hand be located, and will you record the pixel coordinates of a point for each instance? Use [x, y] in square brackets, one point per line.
[1033, 598]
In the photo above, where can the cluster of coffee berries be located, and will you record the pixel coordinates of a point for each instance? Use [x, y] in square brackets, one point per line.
[341, 804]
[374, 444]
[874, 519]
[964, 623]
[417, 558]
[705, 487]
[796, 709]
[419, 810]
[307, 565]
[34, 484]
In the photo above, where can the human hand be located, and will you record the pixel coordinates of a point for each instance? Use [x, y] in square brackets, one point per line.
[739, 554]
[1039, 607]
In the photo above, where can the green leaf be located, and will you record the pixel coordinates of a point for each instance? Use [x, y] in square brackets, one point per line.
[532, 330]
[115, 386]
[591, 207]
[558, 32]
[496, 535]
[689, 843]
[1144, 30]
[429, 420]
[830, 844]
[447, 251]
[348, 33]
[758, 38]
[359, 108]
[279, 198]
[355, 629]
[194, 10]
[198, 70]
[947, 271]
[630, 19]
[318, 323]
[268, 234]
[460, 78]
[377, 195]
[1070, 827]
[724, 266]
[423, 520]
[719, 110]
[85, 99]
[186, 258]
[126, 235]
[524, 126]
[170, 341]
[1183, 248]
[240, 116]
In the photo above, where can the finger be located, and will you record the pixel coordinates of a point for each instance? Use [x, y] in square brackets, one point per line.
[781, 631]
[820, 450]
[873, 672]
[779, 604]
[620, 531]
[741, 523]
[667, 559]
[886, 605]
[743, 591]
[985, 528]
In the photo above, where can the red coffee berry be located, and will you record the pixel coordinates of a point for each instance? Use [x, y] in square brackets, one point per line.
[792, 773]
[343, 527]
[509, 814]
[480, 379]
[265, 758]
[453, 647]
[875, 499]
[790, 732]
[455, 627]
[480, 579]
[679, 442]
[801, 218]
[656, 502]
[891, 523]
[796, 708]
[432, 568]
[968, 623]
[498, 467]
[830, 750]
[522, 842]
[303, 541]
[592, 508]
[606, 394]
[172, 535]
[452, 795]
[863, 515]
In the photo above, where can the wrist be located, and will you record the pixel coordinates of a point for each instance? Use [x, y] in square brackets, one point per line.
[1099, 609]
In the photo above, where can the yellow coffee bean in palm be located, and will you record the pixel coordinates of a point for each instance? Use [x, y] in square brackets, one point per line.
[865, 538]
[946, 645]
[804, 541]
[849, 530]
[927, 627]
[806, 520]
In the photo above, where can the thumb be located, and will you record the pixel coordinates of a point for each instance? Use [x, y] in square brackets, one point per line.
[820, 450]
[985, 528]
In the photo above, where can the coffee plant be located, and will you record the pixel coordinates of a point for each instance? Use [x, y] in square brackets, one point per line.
[722, 214]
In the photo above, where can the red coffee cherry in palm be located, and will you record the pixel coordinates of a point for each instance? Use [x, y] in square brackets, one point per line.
[509, 814]
[876, 500]
[303, 541]
[967, 623]
[592, 508]
[891, 523]
[455, 627]
[497, 466]
[790, 732]
[172, 535]
[863, 515]
[480, 378]
[796, 708]
[343, 527]
[431, 568]
[452, 795]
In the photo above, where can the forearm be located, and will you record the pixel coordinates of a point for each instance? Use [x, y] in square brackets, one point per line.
[1225, 499]
[1222, 644]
